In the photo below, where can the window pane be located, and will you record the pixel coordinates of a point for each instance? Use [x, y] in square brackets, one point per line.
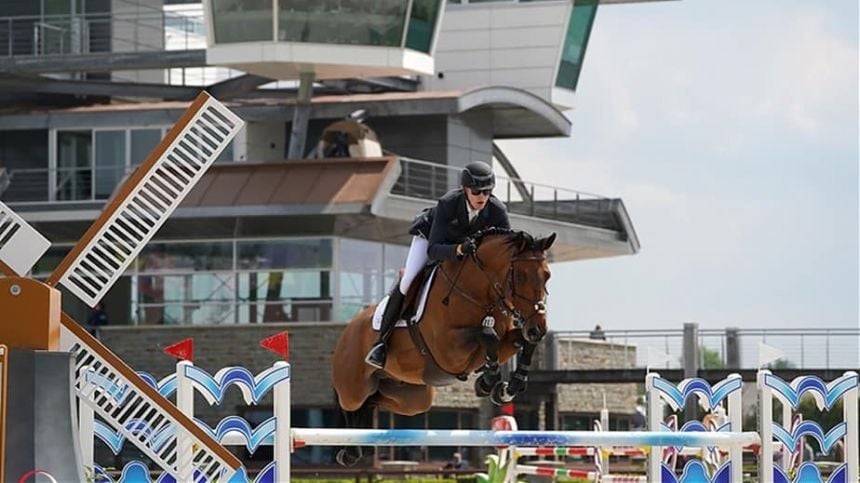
[292, 254]
[575, 43]
[74, 165]
[110, 161]
[242, 20]
[143, 141]
[422, 21]
[284, 296]
[191, 298]
[360, 275]
[165, 257]
[348, 22]
[395, 259]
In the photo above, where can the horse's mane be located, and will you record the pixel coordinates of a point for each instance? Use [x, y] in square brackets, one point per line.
[520, 240]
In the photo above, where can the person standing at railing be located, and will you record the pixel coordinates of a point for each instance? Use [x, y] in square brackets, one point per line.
[444, 233]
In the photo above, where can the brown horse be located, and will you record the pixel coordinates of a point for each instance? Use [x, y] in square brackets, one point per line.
[481, 311]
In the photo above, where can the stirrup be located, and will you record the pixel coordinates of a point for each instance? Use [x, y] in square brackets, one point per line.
[377, 362]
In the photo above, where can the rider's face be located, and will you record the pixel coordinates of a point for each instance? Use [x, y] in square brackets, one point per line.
[477, 198]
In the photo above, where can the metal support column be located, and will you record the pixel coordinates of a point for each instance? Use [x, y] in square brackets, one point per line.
[301, 116]
[691, 365]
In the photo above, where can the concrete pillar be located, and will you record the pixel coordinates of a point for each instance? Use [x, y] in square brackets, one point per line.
[301, 115]
[691, 363]
[733, 348]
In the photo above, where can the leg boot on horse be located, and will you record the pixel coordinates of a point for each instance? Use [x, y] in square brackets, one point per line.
[376, 356]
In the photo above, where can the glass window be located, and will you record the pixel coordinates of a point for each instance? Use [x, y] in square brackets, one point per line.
[74, 165]
[109, 161]
[344, 22]
[360, 275]
[143, 141]
[49, 261]
[575, 43]
[292, 254]
[242, 20]
[198, 298]
[165, 257]
[284, 296]
[394, 260]
[422, 22]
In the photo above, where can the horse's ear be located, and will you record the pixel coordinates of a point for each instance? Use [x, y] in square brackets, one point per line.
[547, 242]
[521, 241]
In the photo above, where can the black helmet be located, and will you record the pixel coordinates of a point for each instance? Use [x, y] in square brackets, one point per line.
[478, 175]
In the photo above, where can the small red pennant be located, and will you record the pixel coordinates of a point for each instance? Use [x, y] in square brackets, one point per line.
[279, 344]
[182, 350]
[508, 409]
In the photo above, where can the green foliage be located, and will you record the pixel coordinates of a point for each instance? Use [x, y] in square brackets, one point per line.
[711, 359]
[781, 363]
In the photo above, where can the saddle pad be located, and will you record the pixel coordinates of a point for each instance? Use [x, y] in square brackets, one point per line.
[425, 291]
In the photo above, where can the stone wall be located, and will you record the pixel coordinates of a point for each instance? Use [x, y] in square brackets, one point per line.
[596, 354]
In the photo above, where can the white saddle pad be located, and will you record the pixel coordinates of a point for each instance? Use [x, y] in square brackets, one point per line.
[425, 291]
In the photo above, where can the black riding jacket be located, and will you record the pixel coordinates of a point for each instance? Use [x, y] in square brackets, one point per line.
[447, 224]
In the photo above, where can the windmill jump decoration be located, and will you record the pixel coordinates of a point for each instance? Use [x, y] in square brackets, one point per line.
[36, 330]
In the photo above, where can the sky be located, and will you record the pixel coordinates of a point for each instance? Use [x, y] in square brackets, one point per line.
[730, 131]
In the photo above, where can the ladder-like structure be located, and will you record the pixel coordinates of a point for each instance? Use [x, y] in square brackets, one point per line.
[130, 219]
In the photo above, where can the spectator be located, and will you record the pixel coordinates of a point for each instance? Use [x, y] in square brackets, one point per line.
[457, 462]
[597, 333]
[638, 422]
[98, 318]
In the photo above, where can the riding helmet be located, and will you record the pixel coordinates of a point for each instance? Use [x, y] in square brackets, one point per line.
[478, 175]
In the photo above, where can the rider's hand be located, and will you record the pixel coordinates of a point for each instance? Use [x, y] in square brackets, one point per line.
[468, 247]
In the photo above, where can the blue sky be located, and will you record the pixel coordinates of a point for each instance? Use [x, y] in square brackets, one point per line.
[730, 130]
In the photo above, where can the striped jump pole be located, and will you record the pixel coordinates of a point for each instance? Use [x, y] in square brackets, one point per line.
[465, 437]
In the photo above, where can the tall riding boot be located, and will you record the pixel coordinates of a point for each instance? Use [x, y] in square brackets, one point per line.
[376, 356]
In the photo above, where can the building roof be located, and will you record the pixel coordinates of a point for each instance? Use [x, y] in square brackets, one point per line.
[516, 112]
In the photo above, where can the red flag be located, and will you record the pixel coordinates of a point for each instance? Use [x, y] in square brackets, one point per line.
[279, 344]
[508, 409]
[182, 350]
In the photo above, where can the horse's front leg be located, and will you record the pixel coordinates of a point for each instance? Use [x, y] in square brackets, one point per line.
[520, 376]
[490, 374]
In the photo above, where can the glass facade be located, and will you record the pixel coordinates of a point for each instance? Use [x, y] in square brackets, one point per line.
[575, 43]
[251, 281]
[384, 23]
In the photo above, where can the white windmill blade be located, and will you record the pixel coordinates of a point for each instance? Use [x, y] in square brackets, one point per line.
[147, 199]
[21, 246]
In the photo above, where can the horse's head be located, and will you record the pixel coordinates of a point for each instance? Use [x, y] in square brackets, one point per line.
[529, 274]
[525, 269]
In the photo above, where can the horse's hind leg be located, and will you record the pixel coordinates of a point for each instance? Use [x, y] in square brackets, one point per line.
[360, 418]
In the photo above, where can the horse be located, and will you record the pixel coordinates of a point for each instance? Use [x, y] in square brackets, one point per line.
[480, 311]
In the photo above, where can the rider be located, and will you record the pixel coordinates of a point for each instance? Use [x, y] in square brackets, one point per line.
[443, 233]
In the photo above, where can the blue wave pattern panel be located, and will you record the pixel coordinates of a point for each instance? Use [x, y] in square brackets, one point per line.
[809, 473]
[263, 434]
[695, 472]
[826, 395]
[137, 472]
[253, 388]
[676, 396]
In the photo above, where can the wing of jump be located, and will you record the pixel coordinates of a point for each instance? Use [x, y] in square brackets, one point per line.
[130, 219]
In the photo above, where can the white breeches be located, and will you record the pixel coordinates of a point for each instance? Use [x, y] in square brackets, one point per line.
[415, 261]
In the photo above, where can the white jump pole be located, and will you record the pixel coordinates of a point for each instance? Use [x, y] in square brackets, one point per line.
[852, 437]
[185, 404]
[283, 441]
[655, 415]
[465, 437]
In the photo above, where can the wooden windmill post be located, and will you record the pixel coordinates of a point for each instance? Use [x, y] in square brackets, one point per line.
[32, 319]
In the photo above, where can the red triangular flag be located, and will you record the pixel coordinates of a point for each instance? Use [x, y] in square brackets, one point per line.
[182, 350]
[508, 409]
[279, 344]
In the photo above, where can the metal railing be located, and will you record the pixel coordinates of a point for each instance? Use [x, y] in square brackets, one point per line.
[73, 184]
[815, 348]
[42, 35]
[429, 181]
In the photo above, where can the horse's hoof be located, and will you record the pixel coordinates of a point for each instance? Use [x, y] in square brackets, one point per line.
[348, 456]
[482, 388]
[500, 395]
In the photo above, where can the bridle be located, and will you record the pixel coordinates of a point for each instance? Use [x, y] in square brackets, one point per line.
[503, 301]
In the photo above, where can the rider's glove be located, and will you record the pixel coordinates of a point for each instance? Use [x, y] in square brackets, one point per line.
[469, 247]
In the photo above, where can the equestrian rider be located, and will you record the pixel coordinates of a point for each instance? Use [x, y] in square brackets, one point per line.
[443, 233]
